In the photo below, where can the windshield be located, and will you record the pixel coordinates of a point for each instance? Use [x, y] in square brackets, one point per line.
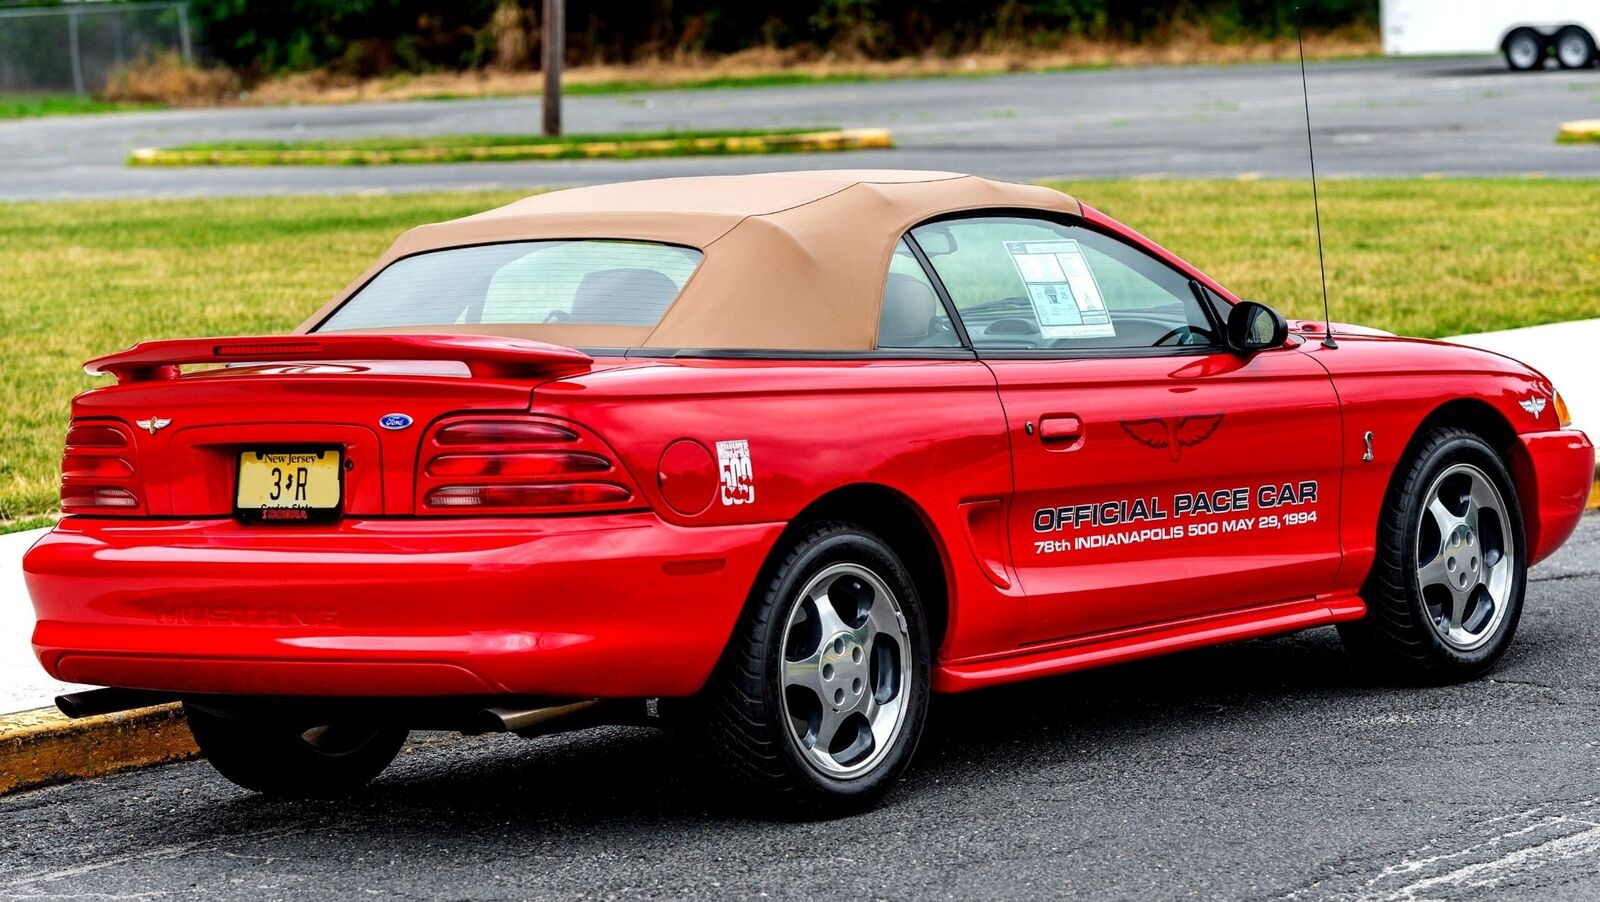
[583, 282]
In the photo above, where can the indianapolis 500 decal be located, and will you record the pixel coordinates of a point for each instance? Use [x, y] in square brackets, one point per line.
[1102, 524]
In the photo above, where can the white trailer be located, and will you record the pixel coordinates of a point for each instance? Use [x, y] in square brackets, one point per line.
[1528, 32]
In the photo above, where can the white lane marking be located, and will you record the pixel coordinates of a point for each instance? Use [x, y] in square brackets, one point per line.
[1482, 854]
[1495, 871]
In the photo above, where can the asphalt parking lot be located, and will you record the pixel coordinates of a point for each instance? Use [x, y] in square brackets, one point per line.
[1373, 118]
[1266, 770]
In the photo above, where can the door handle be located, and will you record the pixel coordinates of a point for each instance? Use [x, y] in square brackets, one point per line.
[1061, 430]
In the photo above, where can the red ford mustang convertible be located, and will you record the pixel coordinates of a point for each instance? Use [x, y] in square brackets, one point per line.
[780, 454]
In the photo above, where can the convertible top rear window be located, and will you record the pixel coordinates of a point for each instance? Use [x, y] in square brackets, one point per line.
[582, 282]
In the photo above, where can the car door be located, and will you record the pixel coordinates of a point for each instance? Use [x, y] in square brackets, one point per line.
[1157, 476]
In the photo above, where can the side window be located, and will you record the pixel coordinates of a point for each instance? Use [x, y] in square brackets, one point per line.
[912, 315]
[1030, 283]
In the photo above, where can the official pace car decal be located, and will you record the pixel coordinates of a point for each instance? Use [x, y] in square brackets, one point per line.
[733, 466]
[1103, 524]
[1173, 433]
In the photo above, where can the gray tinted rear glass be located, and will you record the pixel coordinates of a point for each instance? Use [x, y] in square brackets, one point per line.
[591, 282]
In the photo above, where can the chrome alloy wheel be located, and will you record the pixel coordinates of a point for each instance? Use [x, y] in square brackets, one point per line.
[1465, 558]
[846, 670]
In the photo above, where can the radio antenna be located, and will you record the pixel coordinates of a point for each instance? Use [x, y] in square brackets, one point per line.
[1316, 206]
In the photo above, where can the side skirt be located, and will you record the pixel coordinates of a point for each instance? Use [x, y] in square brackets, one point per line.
[1144, 642]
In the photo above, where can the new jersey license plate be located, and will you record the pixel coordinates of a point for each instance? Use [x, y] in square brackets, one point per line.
[285, 485]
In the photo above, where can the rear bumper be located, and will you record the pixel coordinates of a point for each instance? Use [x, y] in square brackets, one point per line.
[612, 606]
[1554, 477]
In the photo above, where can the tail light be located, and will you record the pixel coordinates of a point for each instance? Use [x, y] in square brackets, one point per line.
[519, 465]
[99, 471]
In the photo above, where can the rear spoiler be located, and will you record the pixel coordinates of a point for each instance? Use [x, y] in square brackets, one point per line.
[485, 356]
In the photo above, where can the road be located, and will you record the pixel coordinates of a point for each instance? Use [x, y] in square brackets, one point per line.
[1373, 118]
[1265, 770]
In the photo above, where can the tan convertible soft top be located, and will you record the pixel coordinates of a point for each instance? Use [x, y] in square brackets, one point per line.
[793, 260]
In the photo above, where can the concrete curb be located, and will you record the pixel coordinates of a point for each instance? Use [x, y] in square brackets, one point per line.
[806, 142]
[1581, 131]
[44, 746]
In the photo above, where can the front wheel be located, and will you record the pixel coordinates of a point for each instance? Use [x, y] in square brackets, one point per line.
[822, 693]
[287, 757]
[1446, 588]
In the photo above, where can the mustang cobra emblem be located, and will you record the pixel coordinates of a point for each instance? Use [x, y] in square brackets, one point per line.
[394, 421]
[1534, 405]
[153, 424]
[1173, 433]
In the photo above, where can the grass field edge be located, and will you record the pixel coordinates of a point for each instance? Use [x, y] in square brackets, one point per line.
[813, 142]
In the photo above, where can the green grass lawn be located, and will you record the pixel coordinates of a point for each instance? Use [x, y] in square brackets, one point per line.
[28, 106]
[1422, 257]
[498, 147]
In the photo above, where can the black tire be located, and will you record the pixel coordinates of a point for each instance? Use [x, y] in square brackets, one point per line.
[746, 712]
[1399, 634]
[284, 757]
[1574, 48]
[1525, 50]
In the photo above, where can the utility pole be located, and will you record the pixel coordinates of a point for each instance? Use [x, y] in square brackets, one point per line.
[553, 34]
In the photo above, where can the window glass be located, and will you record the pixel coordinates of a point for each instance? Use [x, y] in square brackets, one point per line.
[913, 316]
[1031, 283]
[624, 283]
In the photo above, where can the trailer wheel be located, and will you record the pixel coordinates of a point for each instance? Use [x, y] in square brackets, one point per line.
[1574, 48]
[1525, 50]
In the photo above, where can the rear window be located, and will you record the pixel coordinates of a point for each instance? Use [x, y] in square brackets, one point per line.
[586, 282]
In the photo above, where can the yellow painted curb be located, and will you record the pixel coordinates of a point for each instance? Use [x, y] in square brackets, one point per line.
[807, 142]
[1581, 130]
[45, 746]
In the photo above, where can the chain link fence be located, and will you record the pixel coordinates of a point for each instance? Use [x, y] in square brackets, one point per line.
[79, 46]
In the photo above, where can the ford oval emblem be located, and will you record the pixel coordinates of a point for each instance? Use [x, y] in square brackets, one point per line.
[394, 421]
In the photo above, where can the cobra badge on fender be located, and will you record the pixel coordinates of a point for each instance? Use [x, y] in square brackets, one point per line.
[394, 421]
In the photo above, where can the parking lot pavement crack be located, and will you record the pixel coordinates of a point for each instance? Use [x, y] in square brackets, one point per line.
[171, 851]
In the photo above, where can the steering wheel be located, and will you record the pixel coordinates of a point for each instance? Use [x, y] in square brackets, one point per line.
[1183, 334]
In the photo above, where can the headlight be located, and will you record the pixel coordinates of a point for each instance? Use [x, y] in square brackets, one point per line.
[1563, 416]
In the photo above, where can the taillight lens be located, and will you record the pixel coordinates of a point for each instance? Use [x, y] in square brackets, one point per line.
[85, 435]
[99, 471]
[492, 432]
[83, 466]
[76, 499]
[519, 464]
[561, 494]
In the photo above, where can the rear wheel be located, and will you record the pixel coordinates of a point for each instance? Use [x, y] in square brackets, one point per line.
[821, 696]
[1574, 48]
[284, 756]
[1525, 50]
[1446, 588]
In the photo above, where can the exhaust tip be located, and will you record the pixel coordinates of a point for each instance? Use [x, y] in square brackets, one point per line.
[530, 721]
[93, 702]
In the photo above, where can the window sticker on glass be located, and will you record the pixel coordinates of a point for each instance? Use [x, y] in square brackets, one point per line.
[1065, 296]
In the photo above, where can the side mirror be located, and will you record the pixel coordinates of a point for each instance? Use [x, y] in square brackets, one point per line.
[936, 240]
[1253, 327]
